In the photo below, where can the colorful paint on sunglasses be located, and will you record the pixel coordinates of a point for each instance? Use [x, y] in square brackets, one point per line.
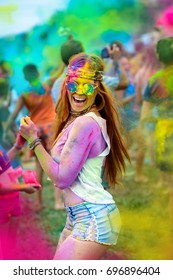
[87, 89]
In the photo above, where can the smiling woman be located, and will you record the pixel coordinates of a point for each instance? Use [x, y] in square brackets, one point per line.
[86, 144]
[81, 86]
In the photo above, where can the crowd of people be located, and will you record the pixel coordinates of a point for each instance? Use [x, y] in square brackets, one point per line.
[94, 116]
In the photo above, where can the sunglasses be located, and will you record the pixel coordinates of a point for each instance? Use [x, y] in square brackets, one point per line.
[87, 89]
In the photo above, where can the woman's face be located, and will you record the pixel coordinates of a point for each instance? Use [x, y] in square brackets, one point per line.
[81, 93]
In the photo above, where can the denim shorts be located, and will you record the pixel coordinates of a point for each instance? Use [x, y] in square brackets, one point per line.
[94, 222]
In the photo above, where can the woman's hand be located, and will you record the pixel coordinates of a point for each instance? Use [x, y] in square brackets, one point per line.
[28, 129]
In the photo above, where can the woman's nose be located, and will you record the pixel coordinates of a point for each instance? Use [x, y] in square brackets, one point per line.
[79, 89]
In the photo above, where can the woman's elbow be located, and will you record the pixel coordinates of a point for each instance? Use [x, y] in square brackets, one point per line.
[62, 183]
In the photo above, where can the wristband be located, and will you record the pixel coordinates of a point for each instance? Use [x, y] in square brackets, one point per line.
[36, 144]
[32, 144]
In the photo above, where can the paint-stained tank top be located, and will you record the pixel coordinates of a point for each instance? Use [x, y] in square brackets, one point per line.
[88, 184]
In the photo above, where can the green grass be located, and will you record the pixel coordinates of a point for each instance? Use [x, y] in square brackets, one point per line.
[145, 232]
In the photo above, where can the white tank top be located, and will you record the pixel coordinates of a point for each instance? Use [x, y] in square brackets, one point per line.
[88, 184]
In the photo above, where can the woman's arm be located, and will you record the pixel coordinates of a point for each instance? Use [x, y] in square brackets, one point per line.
[83, 135]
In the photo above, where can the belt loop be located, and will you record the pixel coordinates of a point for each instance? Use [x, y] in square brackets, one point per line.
[71, 211]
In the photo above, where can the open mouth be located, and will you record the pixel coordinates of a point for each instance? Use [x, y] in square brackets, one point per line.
[79, 100]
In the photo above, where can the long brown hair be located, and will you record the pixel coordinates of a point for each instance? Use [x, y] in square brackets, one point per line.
[105, 103]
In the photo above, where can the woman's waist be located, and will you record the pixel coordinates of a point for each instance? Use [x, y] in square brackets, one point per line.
[71, 199]
[74, 196]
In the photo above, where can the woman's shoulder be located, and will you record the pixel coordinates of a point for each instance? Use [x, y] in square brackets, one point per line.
[86, 123]
[86, 120]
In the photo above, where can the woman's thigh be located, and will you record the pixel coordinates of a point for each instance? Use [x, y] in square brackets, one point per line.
[73, 249]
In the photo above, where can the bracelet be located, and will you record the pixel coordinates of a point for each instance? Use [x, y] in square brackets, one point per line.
[32, 144]
[17, 147]
[36, 144]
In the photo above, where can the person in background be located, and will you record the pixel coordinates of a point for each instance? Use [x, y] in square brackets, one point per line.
[6, 73]
[67, 50]
[4, 113]
[150, 65]
[130, 114]
[10, 208]
[159, 93]
[5, 97]
[86, 142]
[38, 100]
[113, 70]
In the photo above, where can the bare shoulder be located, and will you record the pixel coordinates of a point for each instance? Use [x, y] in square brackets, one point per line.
[86, 121]
[87, 124]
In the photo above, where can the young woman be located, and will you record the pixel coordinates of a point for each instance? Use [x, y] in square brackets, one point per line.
[86, 143]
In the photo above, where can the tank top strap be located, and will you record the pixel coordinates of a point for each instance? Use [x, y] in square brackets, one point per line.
[102, 124]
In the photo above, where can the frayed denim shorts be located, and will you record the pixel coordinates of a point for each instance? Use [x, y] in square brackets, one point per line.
[94, 222]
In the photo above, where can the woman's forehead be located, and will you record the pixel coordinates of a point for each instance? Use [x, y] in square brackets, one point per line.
[84, 71]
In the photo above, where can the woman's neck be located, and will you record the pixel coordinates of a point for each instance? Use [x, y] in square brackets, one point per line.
[83, 112]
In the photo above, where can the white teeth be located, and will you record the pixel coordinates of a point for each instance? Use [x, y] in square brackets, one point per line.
[79, 99]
